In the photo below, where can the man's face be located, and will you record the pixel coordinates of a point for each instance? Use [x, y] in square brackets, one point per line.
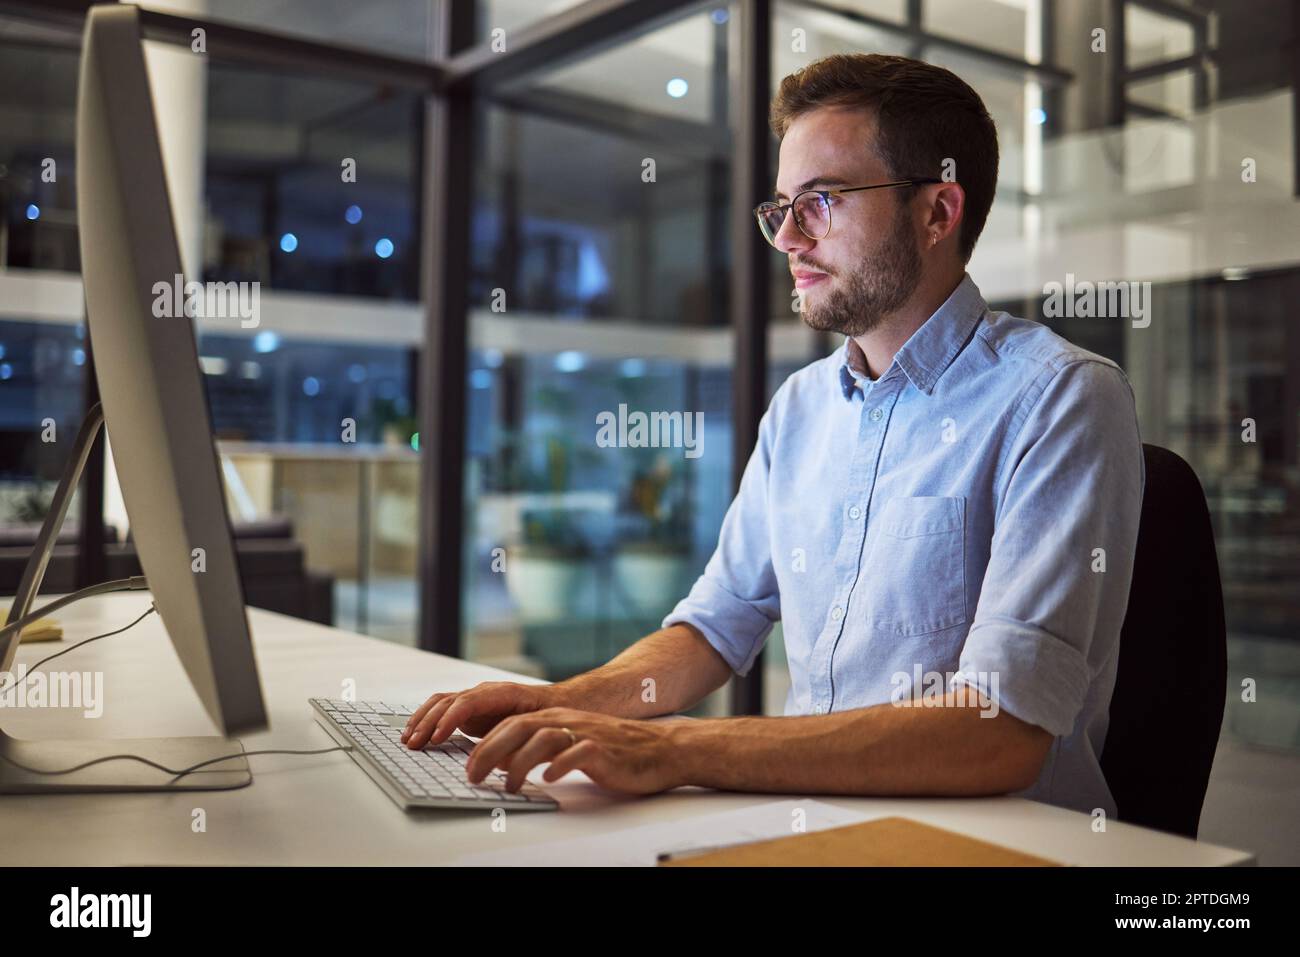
[868, 265]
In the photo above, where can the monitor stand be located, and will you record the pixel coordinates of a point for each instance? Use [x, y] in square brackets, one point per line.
[62, 755]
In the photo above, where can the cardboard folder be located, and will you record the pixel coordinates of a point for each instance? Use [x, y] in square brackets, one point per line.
[885, 842]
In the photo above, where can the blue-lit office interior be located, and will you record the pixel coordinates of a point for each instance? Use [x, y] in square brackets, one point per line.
[496, 274]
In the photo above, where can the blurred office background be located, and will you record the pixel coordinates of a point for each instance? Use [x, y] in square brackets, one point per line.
[1167, 155]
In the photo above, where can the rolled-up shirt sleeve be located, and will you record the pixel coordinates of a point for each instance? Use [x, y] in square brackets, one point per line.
[735, 602]
[1055, 591]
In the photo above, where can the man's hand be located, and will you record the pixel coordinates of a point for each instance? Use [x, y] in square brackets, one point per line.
[620, 754]
[475, 711]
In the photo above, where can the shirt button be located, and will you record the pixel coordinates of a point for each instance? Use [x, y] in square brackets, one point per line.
[876, 415]
[855, 512]
[818, 709]
[837, 613]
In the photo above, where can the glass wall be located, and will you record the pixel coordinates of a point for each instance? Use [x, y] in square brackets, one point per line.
[311, 190]
[311, 184]
[302, 186]
[598, 296]
[43, 350]
[396, 28]
[497, 20]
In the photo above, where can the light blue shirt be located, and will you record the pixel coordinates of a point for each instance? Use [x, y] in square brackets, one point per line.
[967, 520]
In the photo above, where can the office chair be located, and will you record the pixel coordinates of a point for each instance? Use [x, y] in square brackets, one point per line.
[1171, 682]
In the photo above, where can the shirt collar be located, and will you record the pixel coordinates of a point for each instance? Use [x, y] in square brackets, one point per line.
[927, 354]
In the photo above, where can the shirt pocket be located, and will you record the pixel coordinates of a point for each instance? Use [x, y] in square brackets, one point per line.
[917, 576]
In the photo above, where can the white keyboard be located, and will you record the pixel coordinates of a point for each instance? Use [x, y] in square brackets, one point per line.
[433, 777]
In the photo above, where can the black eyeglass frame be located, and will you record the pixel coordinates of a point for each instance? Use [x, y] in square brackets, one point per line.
[826, 194]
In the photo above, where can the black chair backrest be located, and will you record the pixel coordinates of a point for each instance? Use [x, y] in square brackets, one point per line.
[1167, 708]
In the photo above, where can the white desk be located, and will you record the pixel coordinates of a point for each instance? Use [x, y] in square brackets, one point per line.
[322, 809]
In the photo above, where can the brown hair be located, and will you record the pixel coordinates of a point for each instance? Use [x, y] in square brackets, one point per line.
[924, 115]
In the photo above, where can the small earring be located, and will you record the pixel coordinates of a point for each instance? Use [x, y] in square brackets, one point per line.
[934, 239]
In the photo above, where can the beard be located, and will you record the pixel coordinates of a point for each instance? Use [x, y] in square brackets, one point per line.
[878, 287]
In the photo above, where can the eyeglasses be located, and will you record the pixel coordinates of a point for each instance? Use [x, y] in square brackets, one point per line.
[812, 209]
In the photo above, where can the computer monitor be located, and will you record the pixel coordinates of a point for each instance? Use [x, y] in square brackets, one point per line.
[156, 413]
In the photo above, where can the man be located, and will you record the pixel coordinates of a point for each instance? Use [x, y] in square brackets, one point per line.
[942, 513]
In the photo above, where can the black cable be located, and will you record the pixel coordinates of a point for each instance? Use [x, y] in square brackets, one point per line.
[162, 767]
[108, 634]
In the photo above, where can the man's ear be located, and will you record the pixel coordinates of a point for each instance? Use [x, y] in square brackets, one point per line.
[946, 207]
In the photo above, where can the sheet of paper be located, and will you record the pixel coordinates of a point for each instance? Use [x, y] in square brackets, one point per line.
[641, 846]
